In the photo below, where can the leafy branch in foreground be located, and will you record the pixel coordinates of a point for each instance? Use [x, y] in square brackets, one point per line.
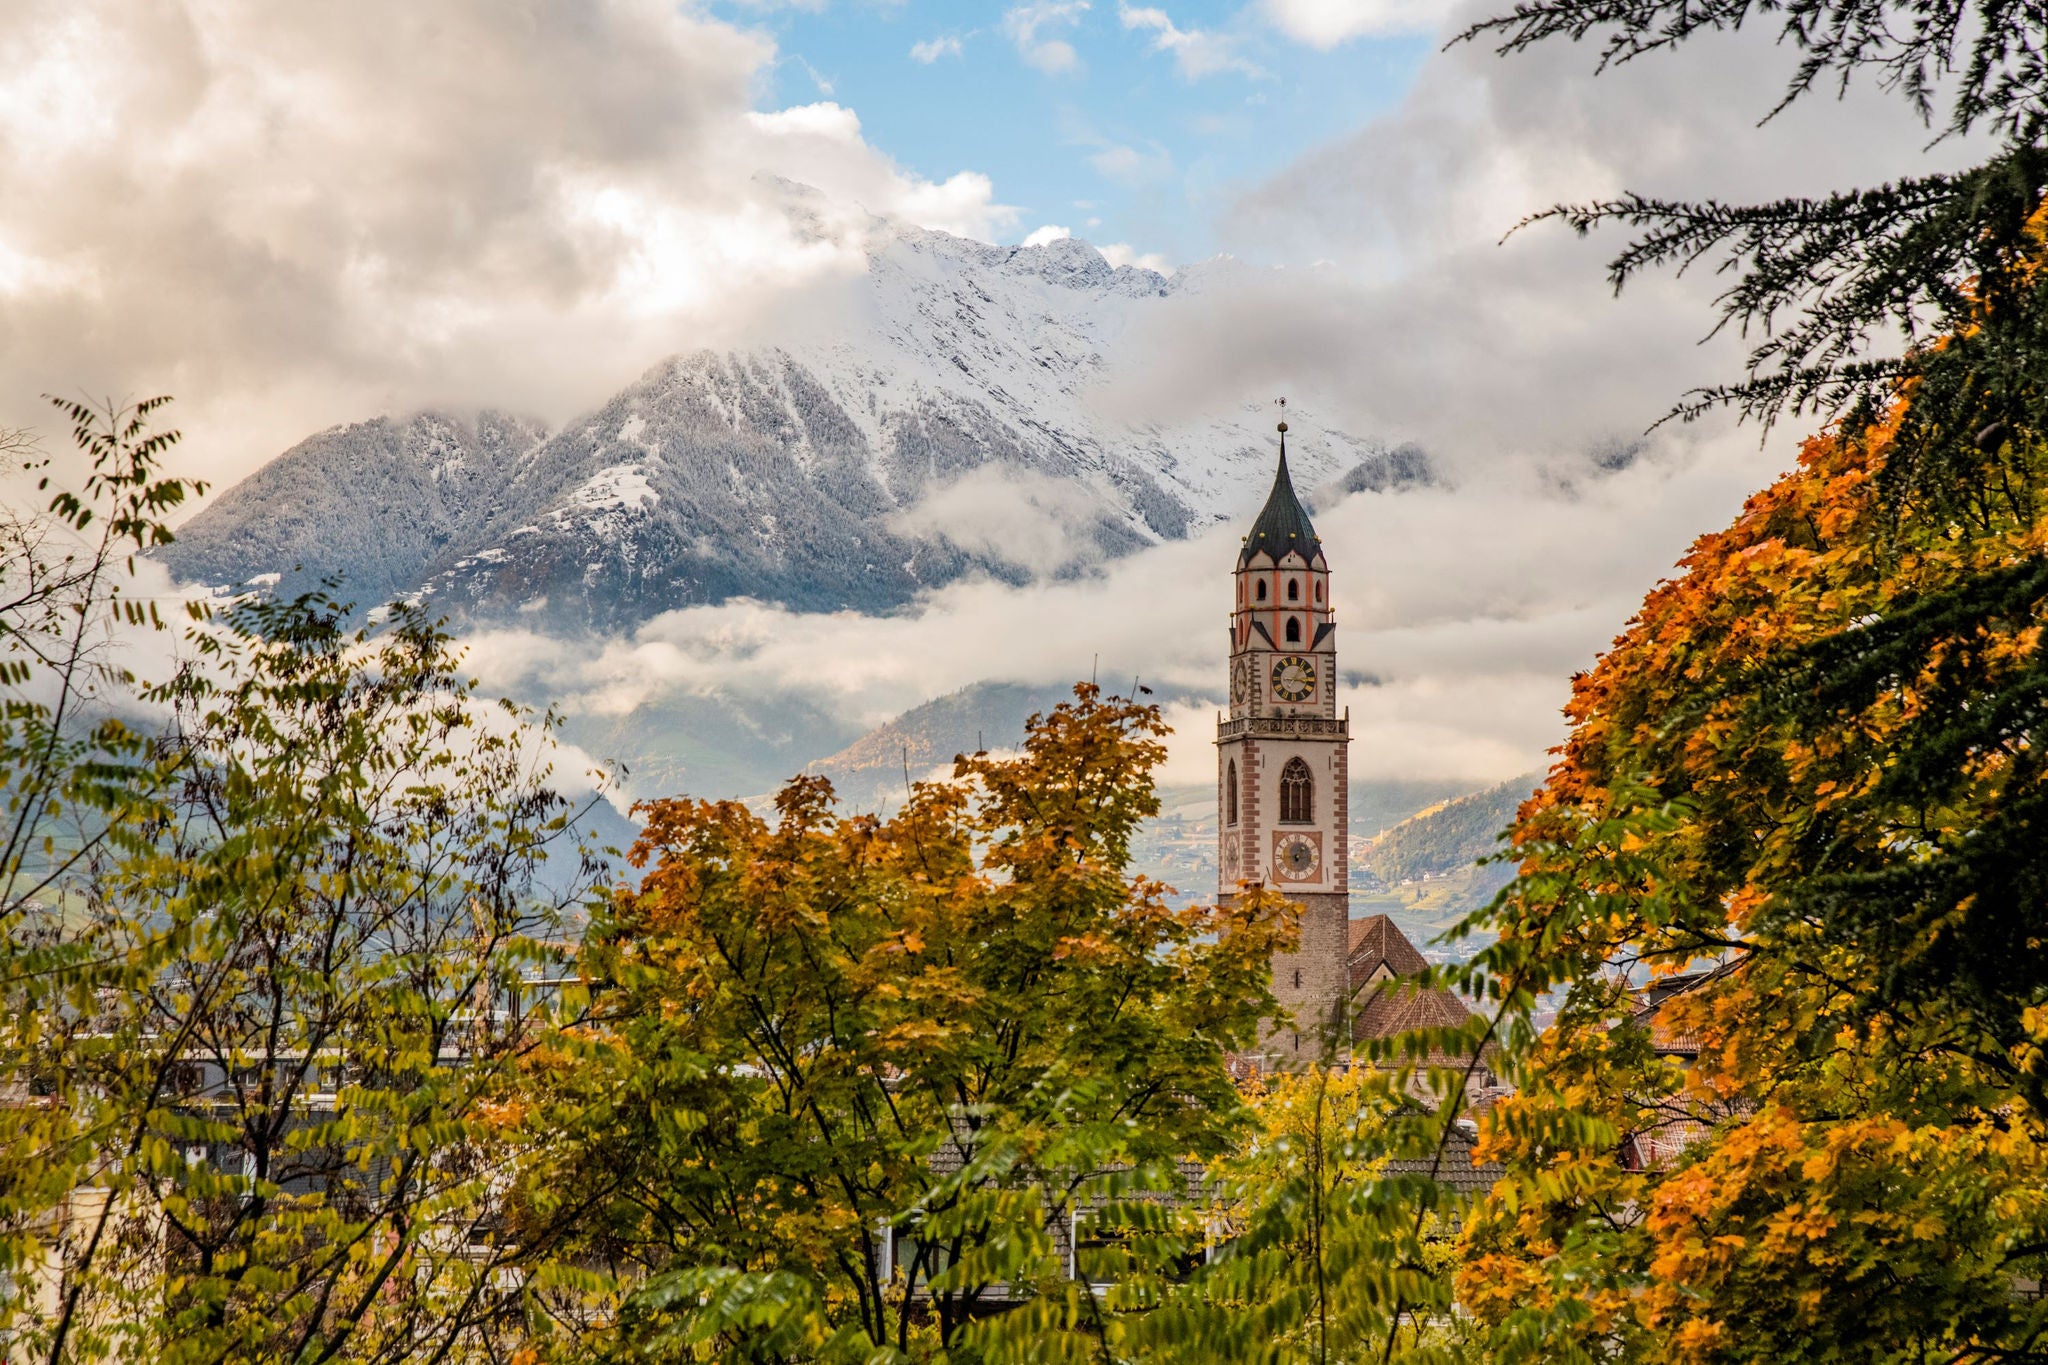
[1996, 77]
[64, 578]
[268, 957]
[1839, 294]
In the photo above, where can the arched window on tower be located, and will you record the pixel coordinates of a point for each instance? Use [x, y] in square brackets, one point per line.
[1319, 592]
[1297, 794]
[1294, 630]
[1294, 590]
[1230, 793]
[1262, 589]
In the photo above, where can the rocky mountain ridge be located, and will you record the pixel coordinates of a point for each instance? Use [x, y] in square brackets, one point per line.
[943, 426]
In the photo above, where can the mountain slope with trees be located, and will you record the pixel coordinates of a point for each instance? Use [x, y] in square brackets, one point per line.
[1448, 837]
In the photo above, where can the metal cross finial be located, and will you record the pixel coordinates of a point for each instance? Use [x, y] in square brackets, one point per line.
[1283, 413]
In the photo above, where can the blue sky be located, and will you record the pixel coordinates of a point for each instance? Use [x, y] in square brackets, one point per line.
[1132, 132]
[522, 204]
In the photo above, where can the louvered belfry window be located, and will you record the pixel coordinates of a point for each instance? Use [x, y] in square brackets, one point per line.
[1297, 794]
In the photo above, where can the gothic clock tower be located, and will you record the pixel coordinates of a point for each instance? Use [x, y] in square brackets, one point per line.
[1282, 789]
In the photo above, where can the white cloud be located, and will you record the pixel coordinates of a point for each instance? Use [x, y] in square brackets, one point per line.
[329, 212]
[1197, 52]
[1324, 24]
[1417, 322]
[931, 49]
[325, 219]
[1129, 166]
[1027, 25]
[1019, 517]
[826, 121]
[1122, 253]
[822, 82]
[1466, 610]
[1049, 232]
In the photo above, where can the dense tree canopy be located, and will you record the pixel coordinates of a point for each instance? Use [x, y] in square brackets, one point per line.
[1814, 762]
[263, 921]
[854, 1082]
[1805, 788]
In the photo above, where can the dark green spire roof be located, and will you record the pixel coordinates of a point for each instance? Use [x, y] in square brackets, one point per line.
[1283, 524]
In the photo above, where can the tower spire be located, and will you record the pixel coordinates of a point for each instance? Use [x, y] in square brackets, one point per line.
[1282, 525]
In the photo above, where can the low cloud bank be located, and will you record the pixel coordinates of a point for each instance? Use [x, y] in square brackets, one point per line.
[1462, 612]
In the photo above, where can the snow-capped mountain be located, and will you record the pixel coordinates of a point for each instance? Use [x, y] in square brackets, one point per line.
[941, 425]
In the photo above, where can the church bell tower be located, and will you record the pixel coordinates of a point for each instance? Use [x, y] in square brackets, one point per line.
[1282, 778]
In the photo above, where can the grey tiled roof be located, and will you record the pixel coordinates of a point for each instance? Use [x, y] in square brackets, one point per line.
[1283, 523]
[1456, 1170]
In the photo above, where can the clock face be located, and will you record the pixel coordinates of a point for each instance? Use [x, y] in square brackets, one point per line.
[1296, 857]
[1240, 681]
[1294, 678]
[1230, 873]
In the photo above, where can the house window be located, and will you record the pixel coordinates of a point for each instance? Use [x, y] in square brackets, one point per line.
[1297, 978]
[1293, 590]
[1230, 793]
[1297, 794]
[1294, 630]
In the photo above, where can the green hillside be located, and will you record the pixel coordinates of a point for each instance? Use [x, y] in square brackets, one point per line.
[1447, 837]
[1424, 872]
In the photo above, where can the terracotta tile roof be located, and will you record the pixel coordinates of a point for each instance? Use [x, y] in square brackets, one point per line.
[1665, 1142]
[1394, 1007]
[1375, 941]
[1393, 1004]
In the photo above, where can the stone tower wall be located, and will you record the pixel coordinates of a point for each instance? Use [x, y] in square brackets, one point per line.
[1281, 583]
[1315, 1026]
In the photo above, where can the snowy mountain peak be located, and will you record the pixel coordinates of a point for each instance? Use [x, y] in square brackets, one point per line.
[1067, 261]
[944, 425]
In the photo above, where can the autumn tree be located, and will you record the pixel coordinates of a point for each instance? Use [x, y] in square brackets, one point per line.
[852, 1082]
[1804, 789]
[265, 926]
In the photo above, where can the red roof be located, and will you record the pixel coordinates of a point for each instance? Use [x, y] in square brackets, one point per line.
[1377, 940]
[1395, 1005]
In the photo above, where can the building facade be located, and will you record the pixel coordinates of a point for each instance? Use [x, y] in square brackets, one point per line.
[1281, 766]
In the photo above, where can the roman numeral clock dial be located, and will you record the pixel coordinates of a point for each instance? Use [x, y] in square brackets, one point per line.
[1297, 857]
[1294, 678]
